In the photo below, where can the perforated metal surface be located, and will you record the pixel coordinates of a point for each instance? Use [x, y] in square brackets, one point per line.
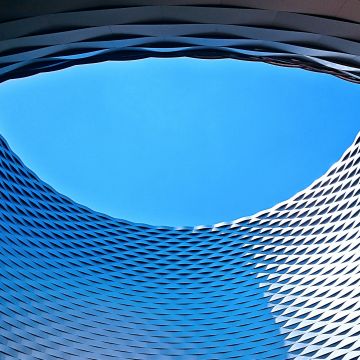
[76, 284]
[47, 35]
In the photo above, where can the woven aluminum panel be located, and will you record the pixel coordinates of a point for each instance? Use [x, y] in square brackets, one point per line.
[42, 35]
[76, 284]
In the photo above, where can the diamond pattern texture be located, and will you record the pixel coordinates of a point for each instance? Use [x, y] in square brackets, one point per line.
[315, 35]
[282, 284]
[77, 284]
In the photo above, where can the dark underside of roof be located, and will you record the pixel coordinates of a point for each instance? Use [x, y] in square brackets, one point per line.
[41, 36]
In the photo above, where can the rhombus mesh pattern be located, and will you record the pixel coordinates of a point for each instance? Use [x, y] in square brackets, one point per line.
[77, 284]
[43, 35]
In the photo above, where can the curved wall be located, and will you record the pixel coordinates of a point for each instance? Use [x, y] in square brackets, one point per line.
[45, 36]
[76, 284]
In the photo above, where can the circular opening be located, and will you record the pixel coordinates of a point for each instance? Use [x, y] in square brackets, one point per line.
[181, 141]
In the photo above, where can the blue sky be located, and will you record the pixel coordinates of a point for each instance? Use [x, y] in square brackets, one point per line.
[179, 141]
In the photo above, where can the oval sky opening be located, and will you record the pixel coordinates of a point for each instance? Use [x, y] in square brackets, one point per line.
[179, 141]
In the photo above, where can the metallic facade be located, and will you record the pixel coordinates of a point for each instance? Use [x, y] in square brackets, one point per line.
[43, 35]
[77, 284]
[281, 284]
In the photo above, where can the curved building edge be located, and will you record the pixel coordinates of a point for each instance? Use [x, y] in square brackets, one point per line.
[51, 36]
[280, 284]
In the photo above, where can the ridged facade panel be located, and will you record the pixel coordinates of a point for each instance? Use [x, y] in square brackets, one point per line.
[77, 284]
[282, 284]
[319, 36]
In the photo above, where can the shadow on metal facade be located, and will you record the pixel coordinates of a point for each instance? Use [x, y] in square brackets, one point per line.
[42, 35]
[77, 284]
